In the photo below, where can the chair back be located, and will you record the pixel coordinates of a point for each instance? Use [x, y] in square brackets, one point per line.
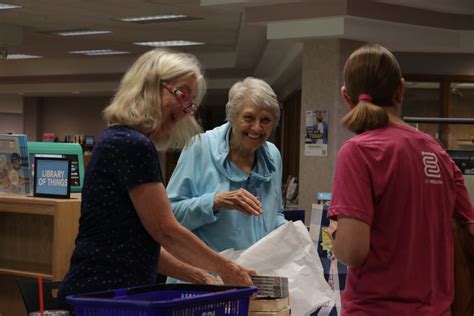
[30, 294]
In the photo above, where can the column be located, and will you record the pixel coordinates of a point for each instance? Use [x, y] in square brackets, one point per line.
[323, 63]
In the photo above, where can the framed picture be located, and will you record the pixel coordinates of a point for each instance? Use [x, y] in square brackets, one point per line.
[52, 178]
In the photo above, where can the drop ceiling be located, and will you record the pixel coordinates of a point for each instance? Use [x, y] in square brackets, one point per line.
[262, 38]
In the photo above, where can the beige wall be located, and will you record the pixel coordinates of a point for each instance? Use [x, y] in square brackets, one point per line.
[67, 115]
[32, 128]
[11, 114]
[11, 123]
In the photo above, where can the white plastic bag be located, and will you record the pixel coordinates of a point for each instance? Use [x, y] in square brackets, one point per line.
[289, 252]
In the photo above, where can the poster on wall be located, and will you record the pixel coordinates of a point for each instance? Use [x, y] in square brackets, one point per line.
[316, 133]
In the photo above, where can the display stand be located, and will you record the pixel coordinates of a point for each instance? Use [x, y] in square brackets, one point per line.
[36, 238]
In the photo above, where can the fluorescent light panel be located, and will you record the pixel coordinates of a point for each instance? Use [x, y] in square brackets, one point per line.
[90, 51]
[168, 43]
[115, 52]
[22, 56]
[158, 18]
[6, 6]
[99, 52]
[153, 18]
[81, 32]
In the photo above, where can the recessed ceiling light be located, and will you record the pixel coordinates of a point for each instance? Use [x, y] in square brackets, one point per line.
[158, 18]
[80, 32]
[22, 56]
[6, 6]
[168, 43]
[98, 52]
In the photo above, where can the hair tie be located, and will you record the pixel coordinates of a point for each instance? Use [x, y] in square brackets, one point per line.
[365, 97]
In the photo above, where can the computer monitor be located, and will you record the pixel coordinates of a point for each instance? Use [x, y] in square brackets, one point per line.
[71, 151]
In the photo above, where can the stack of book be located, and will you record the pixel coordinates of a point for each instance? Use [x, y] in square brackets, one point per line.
[272, 296]
[270, 286]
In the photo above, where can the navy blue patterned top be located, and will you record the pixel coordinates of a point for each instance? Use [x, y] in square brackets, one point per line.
[113, 249]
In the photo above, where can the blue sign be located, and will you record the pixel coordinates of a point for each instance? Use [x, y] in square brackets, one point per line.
[52, 177]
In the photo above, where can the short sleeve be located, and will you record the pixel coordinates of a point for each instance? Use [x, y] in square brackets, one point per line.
[138, 161]
[352, 187]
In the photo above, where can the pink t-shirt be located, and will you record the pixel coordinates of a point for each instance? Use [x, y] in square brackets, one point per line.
[406, 188]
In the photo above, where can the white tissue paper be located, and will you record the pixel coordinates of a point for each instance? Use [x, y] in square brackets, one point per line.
[289, 252]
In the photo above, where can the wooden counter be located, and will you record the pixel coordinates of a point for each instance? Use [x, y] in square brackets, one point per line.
[36, 238]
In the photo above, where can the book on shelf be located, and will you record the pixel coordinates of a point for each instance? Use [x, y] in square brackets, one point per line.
[15, 173]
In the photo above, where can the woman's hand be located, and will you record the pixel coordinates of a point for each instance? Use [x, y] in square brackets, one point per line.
[240, 200]
[237, 275]
[206, 278]
[155, 213]
[251, 272]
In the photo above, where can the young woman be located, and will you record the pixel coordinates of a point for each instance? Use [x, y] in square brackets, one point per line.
[395, 194]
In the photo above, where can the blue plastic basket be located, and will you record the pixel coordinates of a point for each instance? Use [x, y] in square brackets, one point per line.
[165, 299]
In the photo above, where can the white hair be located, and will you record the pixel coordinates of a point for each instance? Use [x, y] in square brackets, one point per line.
[258, 91]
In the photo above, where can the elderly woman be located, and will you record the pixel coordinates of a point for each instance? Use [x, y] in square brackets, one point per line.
[226, 187]
[125, 212]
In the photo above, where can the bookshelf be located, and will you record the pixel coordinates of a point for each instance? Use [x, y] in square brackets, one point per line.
[467, 144]
[36, 238]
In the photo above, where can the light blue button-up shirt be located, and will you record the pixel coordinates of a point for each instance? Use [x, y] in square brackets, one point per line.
[204, 169]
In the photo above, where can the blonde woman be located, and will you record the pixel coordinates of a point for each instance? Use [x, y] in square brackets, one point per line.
[125, 212]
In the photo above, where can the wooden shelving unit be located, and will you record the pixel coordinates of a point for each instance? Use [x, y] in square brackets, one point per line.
[467, 144]
[36, 239]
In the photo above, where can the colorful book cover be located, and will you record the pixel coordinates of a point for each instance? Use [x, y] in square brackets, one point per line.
[15, 173]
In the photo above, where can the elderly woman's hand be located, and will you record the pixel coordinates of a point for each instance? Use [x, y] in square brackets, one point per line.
[206, 278]
[241, 200]
[237, 275]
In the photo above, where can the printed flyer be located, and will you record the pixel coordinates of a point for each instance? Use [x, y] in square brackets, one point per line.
[316, 138]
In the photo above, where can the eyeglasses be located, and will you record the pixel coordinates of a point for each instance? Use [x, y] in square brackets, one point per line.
[185, 99]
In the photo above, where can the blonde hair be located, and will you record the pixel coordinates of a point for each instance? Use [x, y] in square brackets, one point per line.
[137, 103]
[258, 91]
[180, 136]
[371, 70]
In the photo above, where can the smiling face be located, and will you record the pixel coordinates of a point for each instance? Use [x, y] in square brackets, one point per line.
[251, 128]
[173, 108]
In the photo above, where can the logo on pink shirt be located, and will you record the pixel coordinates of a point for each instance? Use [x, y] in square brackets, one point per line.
[430, 161]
